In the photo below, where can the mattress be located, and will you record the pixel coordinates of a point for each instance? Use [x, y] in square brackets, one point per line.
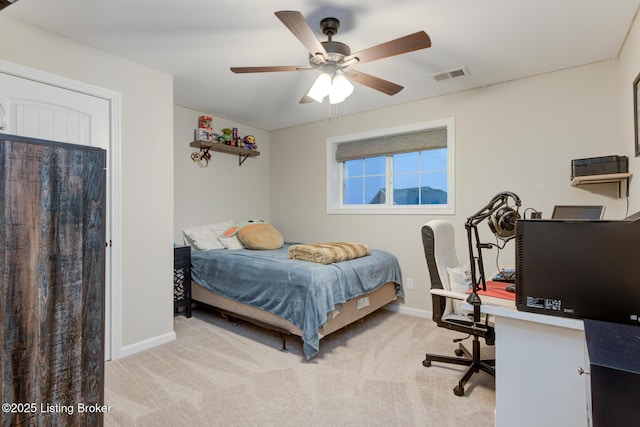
[301, 292]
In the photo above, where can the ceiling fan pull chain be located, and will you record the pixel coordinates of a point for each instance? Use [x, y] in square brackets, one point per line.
[333, 115]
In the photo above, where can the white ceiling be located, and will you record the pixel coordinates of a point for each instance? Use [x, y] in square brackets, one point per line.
[197, 41]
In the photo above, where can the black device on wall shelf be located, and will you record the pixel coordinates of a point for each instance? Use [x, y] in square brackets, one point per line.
[599, 166]
[601, 170]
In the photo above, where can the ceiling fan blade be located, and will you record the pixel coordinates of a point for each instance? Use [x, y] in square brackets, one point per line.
[373, 82]
[269, 69]
[306, 99]
[415, 41]
[296, 23]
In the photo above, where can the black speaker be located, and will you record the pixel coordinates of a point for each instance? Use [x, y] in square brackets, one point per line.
[599, 165]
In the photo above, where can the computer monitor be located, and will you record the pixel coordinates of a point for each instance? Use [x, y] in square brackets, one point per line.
[578, 212]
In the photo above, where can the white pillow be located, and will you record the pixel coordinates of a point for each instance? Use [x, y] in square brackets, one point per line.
[232, 242]
[201, 238]
[459, 281]
[219, 228]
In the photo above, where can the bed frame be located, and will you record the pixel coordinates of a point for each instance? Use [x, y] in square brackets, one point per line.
[352, 311]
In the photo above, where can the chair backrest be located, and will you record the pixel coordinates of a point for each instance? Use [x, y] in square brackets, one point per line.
[438, 239]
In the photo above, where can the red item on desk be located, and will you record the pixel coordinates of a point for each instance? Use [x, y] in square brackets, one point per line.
[497, 290]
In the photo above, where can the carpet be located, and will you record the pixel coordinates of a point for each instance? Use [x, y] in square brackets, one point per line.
[370, 373]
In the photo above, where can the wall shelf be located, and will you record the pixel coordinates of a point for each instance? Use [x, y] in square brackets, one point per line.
[603, 179]
[243, 153]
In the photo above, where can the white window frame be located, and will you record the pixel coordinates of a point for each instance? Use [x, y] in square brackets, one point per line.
[335, 177]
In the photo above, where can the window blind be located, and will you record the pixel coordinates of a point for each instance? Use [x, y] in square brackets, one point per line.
[392, 144]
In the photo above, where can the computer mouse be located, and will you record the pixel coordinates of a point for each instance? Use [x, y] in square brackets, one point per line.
[510, 288]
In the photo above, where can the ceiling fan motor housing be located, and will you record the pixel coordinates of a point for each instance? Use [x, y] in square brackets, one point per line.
[329, 26]
[336, 50]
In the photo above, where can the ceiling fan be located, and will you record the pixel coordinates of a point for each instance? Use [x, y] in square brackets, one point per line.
[335, 59]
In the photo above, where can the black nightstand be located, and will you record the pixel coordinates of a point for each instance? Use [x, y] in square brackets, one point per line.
[182, 279]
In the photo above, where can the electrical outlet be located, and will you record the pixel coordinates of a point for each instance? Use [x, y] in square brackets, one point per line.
[409, 283]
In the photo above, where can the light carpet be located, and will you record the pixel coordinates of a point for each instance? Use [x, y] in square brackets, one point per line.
[368, 374]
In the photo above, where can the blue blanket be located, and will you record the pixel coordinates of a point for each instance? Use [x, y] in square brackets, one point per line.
[302, 292]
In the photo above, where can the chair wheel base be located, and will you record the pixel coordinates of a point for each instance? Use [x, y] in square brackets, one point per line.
[426, 363]
[459, 352]
[458, 391]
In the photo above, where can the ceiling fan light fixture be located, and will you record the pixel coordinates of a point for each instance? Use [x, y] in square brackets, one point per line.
[340, 89]
[320, 88]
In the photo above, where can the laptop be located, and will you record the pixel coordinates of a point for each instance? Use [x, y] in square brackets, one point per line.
[589, 212]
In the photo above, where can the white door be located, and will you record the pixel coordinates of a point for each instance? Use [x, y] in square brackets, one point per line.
[38, 110]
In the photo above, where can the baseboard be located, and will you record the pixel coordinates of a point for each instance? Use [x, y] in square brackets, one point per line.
[145, 345]
[170, 336]
[399, 308]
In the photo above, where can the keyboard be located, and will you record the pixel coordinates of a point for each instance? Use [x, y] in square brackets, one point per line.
[507, 275]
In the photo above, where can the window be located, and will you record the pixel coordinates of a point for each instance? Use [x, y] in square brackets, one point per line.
[400, 170]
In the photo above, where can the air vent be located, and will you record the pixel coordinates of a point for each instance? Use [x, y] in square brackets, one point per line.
[451, 74]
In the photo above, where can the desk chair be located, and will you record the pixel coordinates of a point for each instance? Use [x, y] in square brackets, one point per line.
[438, 239]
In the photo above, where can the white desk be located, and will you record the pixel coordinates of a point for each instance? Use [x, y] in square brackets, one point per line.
[537, 362]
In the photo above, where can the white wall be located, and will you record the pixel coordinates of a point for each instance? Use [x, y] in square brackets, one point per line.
[628, 70]
[146, 163]
[518, 136]
[223, 190]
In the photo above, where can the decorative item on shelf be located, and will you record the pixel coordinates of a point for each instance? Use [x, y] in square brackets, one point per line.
[202, 134]
[226, 137]
[234, 137]
[249, 142]
[205, 122]
[201, 158]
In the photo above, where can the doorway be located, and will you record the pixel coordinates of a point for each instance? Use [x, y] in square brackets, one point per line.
[41, 105]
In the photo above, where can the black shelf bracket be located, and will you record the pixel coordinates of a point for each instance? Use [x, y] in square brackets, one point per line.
[242, 158]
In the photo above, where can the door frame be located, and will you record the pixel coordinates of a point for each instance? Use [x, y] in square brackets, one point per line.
[113, 163]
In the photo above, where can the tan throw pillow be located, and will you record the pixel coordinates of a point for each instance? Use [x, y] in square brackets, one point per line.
[260, 236]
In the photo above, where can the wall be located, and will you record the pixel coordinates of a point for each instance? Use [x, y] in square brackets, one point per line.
[146, 161]
[629, 67]
[223, 190]
[518, 136]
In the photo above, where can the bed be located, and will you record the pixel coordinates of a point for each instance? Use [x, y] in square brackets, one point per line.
[294, 297]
